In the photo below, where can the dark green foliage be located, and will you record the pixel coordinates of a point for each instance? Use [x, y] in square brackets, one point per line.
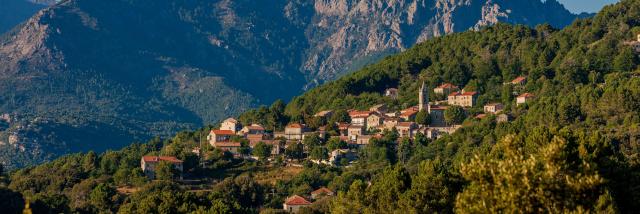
[319, 153]
[165, 171]
[295, 151]
[262, 150]
[454, 115]
[336, 143]
[423, 118]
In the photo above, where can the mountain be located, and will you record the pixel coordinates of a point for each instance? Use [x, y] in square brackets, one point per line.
[14, 12]
[572, 147]
[96, 75]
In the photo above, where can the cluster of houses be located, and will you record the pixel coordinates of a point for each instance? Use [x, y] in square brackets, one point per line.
[364, 126]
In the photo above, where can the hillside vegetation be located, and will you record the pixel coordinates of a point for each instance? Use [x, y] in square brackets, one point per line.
[573, 149]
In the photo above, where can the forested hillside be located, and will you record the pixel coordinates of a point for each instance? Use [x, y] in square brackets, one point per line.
[572, 149]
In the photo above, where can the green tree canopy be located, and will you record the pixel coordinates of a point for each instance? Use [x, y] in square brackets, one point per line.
[454, 115]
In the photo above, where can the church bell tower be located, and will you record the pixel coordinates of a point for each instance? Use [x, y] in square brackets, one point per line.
[423, 99]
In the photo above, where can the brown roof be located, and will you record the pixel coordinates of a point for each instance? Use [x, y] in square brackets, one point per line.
[171, 159]
[447, 85]
[493, 104]
[355, 127]
[322, 190]
[480, 116]
[434, 107]
[405, 124]
[296, 200]
[255, 127]
[223, 132]
[228, 144]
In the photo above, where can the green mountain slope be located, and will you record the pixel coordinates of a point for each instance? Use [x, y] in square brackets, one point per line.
[573, 148]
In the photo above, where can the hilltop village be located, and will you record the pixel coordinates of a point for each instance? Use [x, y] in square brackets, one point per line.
[430, 119]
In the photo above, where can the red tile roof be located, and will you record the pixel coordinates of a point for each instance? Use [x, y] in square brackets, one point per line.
[295, 125]
[519, 80]
[343, 126]
[480, 116]
[526, 95]
[468, 93]
[161, 158]
[228, 144]
[223, 132]
[296, 200]
[405, 124]
[322, 190]
[356, 113]
[408, 113]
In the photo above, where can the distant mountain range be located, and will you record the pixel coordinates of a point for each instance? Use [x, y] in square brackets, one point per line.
[85, 74]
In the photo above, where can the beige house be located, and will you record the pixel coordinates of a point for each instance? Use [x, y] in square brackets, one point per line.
[293, 131]
[409, 114]
[389, 123]
[493, 108]
[464, 99]
[359, 117]
[406, 129]
[446, 88]
[220, 136]
[231, 147]
[359, 120]
[252, 129]
[230, 124]
[524, 98]
[322, 192]
[374, 121]
[294, 203]
[354, 131]
[149, 164]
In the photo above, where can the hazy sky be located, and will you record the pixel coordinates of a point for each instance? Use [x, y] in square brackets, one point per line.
[578, 6]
